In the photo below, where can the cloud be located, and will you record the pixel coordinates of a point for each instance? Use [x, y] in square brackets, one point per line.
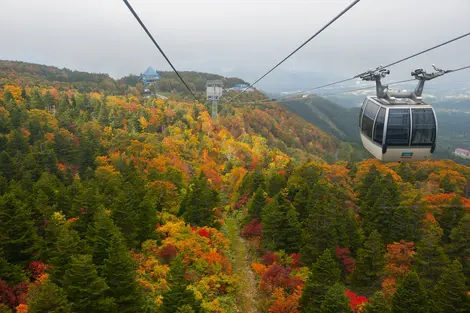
[246, 37]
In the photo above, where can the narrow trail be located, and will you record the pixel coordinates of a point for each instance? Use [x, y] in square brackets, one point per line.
[248, 290]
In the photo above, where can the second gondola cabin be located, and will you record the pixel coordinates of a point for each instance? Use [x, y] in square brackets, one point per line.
[398, 129]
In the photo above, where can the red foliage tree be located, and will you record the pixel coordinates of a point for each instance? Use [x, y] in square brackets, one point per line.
[252, 229]
[168, 253]
[355, 301]
[7, 296]
[269, 258]
[296, 263]
[36, 269]
[204, 233]
[278, 276]
[343, 255]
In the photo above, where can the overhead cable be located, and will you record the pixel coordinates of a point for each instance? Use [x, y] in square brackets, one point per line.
[391, 64]
[300, 47]
[160, 49]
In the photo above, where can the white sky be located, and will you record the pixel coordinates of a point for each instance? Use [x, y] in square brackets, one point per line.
[235, 37]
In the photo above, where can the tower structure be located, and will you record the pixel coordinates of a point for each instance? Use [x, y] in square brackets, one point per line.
[214, 89]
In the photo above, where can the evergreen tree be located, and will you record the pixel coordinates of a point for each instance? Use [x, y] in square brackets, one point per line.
[336, 300]
[10, 273]
[370, 263]
[410, 296]
[48, 298]
[323, 275]
[451, 215]
[447, 185]
[460, 243]
[450, 293]
[100, 235]
[281, 229]
[319, 232]
[275, 183]
[61, 243]
[256, 204]
[365, 185]
[430, 258]
[199, 202]
[377, 304]
[402, 224]
[125, 212]
[7, 165]
[19, 238]
[85, 289]
[179, 295]
[18, 143]
[120, 273]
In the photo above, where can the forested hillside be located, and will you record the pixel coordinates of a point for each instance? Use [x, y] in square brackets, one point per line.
[118, 203]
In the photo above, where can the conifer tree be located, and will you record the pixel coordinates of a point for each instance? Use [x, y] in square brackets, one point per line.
[281, 229]
[120, 273]
[62, 243]
[256, 204]
[410, 296]
[7, 165]
[377, 304]
[451, 215]
[450, 293]
[19, 239]
[199, 202]
[370, 262]
[430, 259]
[460, 243]
[48, 298]
[402, 224]
[178, 295]
[324, 274]
[100, 235]
[85, 289]
[365, 185]
[319, 232]
[336, 300]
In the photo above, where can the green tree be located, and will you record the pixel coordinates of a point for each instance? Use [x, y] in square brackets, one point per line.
[321, 233]
[85, 289]
[178, 295]
[336, 300]
[281, 229]
[323, 275]
[100, 235]
[19, 238]
[48, 298]
[275, 183]
[61, 244]
[450, 293]
[410, 296]
[460, 243]
[120, 273]
[430, 259]
[370, 263]
[451, 215]
[199, 202]
[377, 304]
[256, 204]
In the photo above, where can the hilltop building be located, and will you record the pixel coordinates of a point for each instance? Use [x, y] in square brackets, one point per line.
[240, 87]
[149, 76]
[462, 153]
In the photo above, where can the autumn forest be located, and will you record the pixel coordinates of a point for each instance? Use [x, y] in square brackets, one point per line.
[115, 202]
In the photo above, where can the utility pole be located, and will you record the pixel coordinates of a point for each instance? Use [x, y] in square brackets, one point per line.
[214, 90]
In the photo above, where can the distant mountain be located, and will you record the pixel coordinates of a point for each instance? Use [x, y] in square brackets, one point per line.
[331, 118]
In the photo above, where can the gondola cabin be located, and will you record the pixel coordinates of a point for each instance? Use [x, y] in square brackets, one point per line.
[398, 126]
[398, 129]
